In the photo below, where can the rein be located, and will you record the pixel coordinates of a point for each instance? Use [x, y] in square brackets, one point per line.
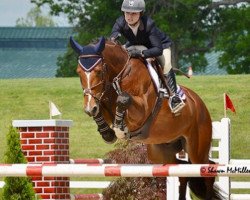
[124, 72]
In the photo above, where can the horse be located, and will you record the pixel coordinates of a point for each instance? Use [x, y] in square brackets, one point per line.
[121, 97]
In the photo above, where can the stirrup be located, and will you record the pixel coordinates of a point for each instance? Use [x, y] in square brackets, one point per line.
[177, 108]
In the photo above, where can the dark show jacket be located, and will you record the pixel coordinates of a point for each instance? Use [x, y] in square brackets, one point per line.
[148, 35]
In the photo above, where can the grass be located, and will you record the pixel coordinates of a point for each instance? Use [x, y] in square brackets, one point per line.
[28, 99]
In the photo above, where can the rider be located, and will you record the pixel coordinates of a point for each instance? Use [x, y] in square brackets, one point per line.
[139, 29]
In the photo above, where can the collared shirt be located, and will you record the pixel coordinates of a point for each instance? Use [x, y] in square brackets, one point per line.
[148, 35]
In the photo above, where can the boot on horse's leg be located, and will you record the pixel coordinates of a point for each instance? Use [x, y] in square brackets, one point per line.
[175, 102]
[106, 132]
[123, 101]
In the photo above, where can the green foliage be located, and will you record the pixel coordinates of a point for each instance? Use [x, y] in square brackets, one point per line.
[196, 27]
[16, 188]
[234, 40]
[35, 18]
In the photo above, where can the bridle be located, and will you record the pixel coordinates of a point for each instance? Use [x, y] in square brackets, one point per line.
[104, 79]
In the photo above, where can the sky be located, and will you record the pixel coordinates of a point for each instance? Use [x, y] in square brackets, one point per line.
[11, 10]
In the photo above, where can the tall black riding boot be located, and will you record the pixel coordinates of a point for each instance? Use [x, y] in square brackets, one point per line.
[175, 102]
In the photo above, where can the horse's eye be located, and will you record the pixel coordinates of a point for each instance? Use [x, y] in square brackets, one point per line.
[99, 73]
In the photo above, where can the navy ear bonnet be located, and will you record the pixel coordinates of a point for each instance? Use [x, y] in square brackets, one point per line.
[90, 55]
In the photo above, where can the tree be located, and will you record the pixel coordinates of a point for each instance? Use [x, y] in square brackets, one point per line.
[35, 18]
[196, 27]
[16, 188]
[234, 40]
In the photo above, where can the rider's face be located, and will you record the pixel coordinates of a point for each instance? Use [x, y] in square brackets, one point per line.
[132, 17]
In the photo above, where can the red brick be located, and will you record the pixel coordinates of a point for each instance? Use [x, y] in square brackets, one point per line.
[45, 196]
[58, 128]
[28, 147]
[49, 190]
[66, 153]
[35, 129]
[41, 147]
[35, 153]
[22, 129]
[36, 178]
[30, 159]
[54, 134]
[47, 153]
[62, 135]
[65, 141]
[49, 141]
[49, 178]
[27, 135]
[49, 128]
[65, 128]
[42, 159]
[43, 184]
[38, 190]
[35, 141]
[42, 135]
[59, 190]
[58, 141]
[54, 146]
[23, 141]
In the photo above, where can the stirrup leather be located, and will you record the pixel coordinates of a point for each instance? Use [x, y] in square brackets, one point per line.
[177, 108]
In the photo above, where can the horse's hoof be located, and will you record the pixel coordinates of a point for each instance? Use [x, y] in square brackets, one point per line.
[119, 133]
[109, 136]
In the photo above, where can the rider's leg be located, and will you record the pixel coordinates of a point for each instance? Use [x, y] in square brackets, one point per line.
[175, 102]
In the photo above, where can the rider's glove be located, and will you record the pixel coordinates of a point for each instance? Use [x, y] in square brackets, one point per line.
[135, 53]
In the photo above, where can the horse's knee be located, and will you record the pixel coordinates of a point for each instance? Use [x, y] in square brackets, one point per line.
[123, 101]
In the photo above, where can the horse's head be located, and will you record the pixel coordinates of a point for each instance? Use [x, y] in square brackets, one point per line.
[91, 70]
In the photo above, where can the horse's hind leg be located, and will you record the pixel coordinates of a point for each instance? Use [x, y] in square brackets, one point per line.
[183, 188]
[166, 153]
[198, 145]
[209, 182]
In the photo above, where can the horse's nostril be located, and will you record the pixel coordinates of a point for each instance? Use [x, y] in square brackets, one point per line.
[94, 111]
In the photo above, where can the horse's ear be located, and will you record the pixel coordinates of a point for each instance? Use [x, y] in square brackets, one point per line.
[75, 46]
[99, 47]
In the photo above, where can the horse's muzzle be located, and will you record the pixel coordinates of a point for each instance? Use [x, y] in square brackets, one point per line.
[93, 111]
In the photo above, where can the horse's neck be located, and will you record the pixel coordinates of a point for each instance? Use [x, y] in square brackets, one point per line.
[115, 57]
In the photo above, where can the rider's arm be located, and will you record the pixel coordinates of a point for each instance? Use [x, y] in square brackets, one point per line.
[156, 44]
[117, 29]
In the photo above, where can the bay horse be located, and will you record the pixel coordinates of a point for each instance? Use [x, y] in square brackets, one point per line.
[121, 97]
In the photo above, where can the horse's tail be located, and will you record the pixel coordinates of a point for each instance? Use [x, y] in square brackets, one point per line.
[198, 187]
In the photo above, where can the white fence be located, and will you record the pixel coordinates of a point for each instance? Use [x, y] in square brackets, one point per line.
[220, 154]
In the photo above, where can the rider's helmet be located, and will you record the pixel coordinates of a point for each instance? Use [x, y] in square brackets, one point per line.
[133, 6]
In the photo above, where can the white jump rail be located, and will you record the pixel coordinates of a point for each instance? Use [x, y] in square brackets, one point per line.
[123, 170]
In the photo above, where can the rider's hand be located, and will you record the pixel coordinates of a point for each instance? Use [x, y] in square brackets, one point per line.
[135, 53]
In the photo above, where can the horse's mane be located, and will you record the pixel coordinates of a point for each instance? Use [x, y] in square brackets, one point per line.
[108, 39]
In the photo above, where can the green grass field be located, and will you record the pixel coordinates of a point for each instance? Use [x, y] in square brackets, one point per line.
[28, 99]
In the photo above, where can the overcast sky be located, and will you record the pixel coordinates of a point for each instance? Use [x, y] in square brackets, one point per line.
[11, 10]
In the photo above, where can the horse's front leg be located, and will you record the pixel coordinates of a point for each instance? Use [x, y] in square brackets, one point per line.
[122, 104]
[106, 132]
